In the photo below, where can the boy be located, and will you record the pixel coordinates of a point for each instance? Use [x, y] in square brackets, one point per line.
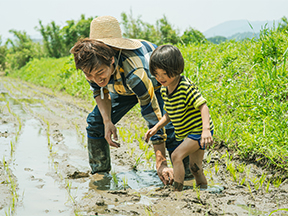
[186, 109]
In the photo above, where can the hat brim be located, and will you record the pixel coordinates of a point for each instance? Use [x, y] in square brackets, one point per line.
[122, 43]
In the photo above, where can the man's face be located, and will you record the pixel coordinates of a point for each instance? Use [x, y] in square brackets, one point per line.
[101, 75]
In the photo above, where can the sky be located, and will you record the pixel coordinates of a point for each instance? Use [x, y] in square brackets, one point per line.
[202, 15]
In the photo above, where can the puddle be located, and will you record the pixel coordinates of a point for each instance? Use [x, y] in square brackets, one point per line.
[38, 192]
[124, 180]
[252, 211]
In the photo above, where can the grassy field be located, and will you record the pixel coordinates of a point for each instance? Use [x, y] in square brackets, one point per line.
[245, 83]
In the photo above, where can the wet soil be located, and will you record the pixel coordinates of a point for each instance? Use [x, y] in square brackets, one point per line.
[44, 153]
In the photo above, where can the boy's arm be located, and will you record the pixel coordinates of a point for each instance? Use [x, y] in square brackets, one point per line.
[163, 121]
[206, 137]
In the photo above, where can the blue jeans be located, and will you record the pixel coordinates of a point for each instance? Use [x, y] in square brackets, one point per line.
[120, 106]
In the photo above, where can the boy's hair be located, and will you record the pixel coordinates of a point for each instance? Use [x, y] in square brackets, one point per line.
[90, 54]
[167, 58]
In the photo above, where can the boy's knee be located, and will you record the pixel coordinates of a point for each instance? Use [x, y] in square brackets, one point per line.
[175, 157]
[195, 169]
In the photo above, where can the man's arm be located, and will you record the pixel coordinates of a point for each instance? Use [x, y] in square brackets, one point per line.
[164, 172]
[104, 106]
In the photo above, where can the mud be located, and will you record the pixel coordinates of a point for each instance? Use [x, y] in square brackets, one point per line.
[45, 170]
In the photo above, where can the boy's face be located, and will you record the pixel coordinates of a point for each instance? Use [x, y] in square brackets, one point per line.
[101, 75]
[162, 77]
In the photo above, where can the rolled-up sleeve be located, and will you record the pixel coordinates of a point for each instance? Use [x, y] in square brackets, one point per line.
[142, 86]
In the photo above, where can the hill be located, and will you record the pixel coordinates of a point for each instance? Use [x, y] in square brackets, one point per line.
[233, 27]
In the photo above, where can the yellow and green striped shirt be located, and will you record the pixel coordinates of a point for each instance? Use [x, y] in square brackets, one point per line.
[182, 106]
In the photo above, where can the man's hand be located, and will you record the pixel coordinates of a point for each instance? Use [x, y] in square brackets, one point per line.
[166, 175]
[164, 172]
[109, 130]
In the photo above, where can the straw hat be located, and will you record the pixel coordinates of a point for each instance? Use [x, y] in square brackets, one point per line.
[107, 30]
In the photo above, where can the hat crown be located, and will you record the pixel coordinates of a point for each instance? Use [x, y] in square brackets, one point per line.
[105, 27]
[107, 30]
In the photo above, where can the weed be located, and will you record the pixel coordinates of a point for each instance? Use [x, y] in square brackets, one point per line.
[114, 177]
[216, 166]
[267, 186]
[277, 210]
[197, 190]
[250, 190]
[125, 182]
[148, 210]
[208, 158]
[277, 182]
[137, 161]
[243, 180]
[241, 167]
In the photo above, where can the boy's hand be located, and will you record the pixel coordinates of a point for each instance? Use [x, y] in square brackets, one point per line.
[150, 133]
[206, 139]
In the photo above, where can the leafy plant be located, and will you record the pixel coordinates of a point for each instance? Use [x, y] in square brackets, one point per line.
[114, 177]
[125, 182]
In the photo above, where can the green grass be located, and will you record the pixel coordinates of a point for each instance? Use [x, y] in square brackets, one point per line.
[56, 74]
[245, 84]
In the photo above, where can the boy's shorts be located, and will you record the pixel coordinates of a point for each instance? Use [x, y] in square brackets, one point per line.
[197, 137]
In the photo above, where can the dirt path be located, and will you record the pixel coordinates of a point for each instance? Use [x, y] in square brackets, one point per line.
[45, 168]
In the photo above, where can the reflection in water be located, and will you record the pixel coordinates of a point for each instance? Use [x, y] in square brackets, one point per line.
[135, 180]
[39, 193]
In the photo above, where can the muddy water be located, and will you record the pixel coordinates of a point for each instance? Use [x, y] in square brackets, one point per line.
[43, 144]
[38, 191]
[31, 162]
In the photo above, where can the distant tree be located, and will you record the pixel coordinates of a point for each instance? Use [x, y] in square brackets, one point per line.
[167, 33]
[133, 28]
[21, 50]
[58, 41]
[3, 52]
[53, 41]
[217, 39]
[75, 30]
[137, 29]
[192, 36]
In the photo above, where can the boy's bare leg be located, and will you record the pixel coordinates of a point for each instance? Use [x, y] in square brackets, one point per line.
[187, 147]
[196, 159]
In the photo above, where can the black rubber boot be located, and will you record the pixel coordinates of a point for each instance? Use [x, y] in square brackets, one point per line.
[99, 155]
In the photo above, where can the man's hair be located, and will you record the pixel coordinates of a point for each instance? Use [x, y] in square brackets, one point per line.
[167, 58]
[90, 54]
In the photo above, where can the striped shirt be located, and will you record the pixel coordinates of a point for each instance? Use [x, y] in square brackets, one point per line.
[182, 106]
[132, 77]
